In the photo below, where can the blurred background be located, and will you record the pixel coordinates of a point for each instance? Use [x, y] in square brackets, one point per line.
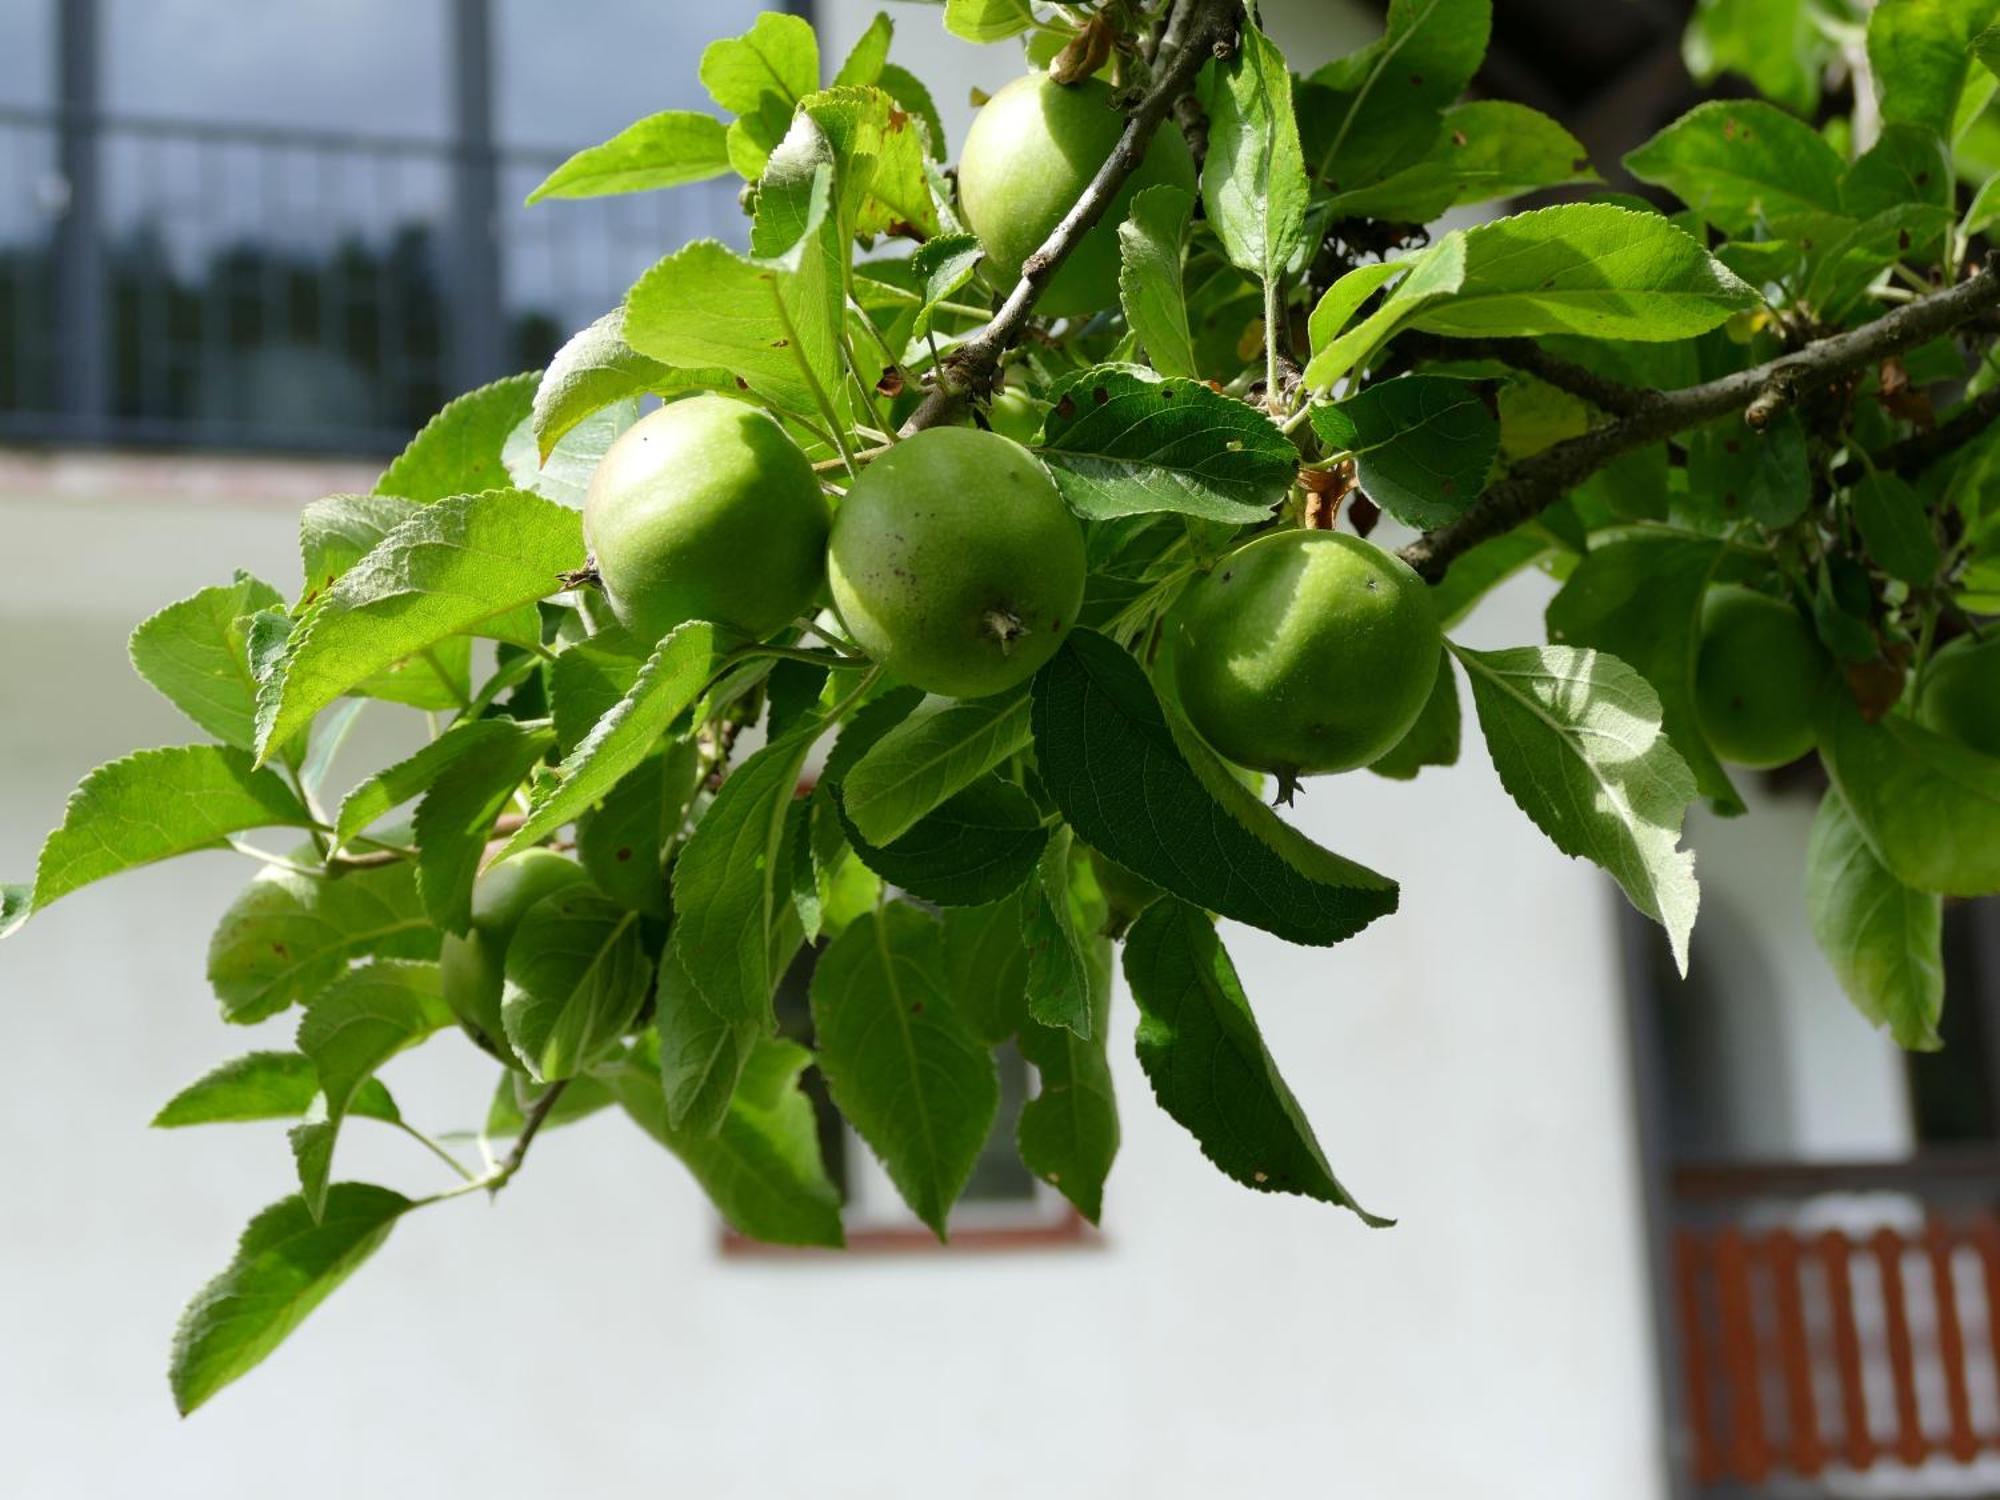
[244, 252]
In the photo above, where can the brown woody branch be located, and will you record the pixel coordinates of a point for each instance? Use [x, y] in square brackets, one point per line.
[1538, 481]
[1198, 30]
[1529, 357]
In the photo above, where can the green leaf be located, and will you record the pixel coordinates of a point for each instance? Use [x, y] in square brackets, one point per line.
[264, 1086]
[196, 654]
[1151, 287]
[458, 450]
[1844, 271]
[1059, 978]
[415, 774]
[1206, 1060]
[881, 177]
[352, 1028]
[760, 76]
[1576, 739]
[1740, 470]
[1388, 95]
[1740, 163]
[337, 532]
[660, 151]
[1907, 164]
[1776, 44]
[864, 61]
[596, 368]
[563, 474]
[589, 677]
[1422, 445]
[762, 1167]
[1928, 806]
[623, 842]
[1896, 528]
[1920, 52]
[1429, 277]
[987, 20]
[1497, 149]
[286, 1265]
[1122, 441]
[701, 1054]
[1253, 181]
[942, 266]
[731, 883]
[918, 1086]
[1639, 598]
[986, 967]
[290, 934]
[1068, 1133]
[707, 306]
[450, 567]
[455, 821]
[1433, 739]
[910, 93]
[1884, 940]
[153, 805]
[1147, 794]
[944, 746]
[1485, 150]
[666, 686]
[577, 973]
[971, 849]
[1588, 268]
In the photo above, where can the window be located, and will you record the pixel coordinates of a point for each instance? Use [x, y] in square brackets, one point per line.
[1003, 1206]
[299, 225]
[557, 89]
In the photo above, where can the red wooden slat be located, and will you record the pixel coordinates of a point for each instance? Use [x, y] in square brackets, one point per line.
[1857, 1445]
[1962, 1444]
[1910, 1443]
[1805, 1448]
[1749, 1451]
[1986, 1240]
[1689, 1253]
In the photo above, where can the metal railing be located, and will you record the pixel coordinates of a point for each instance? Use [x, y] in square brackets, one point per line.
[288, 289]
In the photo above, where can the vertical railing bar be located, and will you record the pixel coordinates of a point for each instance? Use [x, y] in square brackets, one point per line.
[1749, 1453]
[1857, 1443]
[1688, 1253]
[1888, 1245]
[1942, 1243]
[1806, 1449]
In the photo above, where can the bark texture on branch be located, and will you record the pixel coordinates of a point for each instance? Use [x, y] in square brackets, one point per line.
[1197, 31]
[1538, 481]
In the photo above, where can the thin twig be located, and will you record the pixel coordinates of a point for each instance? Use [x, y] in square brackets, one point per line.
[1538, 481]
[1199, 30]
[1919, 451]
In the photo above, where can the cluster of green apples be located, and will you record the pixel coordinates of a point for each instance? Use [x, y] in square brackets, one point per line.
[953, 562]
[1760, 671]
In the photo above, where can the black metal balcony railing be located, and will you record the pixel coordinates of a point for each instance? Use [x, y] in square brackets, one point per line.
[222, 286]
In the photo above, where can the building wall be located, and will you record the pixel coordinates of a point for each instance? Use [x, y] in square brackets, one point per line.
[1463, 1062]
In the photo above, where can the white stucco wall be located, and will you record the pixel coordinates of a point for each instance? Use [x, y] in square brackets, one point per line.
[1463, 1063]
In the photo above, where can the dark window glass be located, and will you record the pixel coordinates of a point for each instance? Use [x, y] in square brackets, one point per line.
[276, 181]
[1952, 1090]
